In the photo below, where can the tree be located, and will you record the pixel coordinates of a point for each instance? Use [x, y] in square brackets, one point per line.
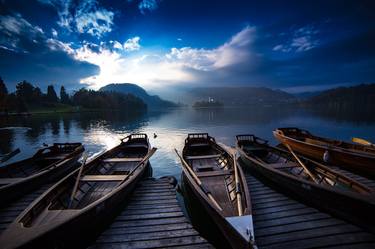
[64, 97]
[3, 95]
[3, 88]
[51, 94]
[24, 91]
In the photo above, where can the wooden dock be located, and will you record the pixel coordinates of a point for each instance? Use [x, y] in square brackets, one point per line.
[152, 219]
[282, 222]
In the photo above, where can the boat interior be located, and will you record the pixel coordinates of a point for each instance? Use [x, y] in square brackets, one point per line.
[284, 161]
[99, 177]
[43, 159]
[305, 136]
[213, 166]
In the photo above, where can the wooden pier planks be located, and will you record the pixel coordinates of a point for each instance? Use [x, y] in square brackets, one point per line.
[10, 212]
[152, 219]
[281, 222]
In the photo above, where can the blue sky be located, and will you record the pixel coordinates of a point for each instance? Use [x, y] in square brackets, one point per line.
[291, 45]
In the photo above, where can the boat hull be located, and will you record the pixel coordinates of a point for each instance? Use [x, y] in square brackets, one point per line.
[11, 192]
[356, 162]
[347, 206]
[229, 237]
[82, 229]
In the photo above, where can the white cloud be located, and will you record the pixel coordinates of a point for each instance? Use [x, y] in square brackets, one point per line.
[84, 17]
[132, 44]
[302, 39]
[54, 32]
[149, 5]
[117, 45]
[158, 69]
[235, 51]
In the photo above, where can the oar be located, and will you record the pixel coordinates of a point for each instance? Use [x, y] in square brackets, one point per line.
[302, 164]
[362, 141]
[238, 189]
[185, 165]
[8, 156]
[145, 159]
[77, 180]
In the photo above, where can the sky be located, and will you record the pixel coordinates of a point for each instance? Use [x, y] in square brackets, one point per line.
[295, 46]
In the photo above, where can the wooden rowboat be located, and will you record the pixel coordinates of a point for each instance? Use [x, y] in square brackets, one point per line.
[355, 157]
[47, 164]
[311, 181]
[77, 207]
[209, 172]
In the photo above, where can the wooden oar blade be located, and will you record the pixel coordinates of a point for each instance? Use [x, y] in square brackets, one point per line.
[361, 141]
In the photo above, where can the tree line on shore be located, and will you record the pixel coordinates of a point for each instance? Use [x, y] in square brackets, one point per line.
[28, 97]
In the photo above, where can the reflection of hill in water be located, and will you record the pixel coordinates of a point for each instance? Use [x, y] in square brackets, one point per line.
[251, 115]
[353, 114]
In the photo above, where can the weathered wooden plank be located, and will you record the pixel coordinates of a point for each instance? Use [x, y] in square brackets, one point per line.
[292, 220]
[175, 208]
[273, 204]
[285, 214]
[291, 206]
[146, 229]
[306, 234]
[160, 243]
[293, 227]
[136, 223]
[342, 240]
[149, 216]
[146, 236]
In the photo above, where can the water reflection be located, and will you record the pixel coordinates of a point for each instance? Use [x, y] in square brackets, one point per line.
[101, 131]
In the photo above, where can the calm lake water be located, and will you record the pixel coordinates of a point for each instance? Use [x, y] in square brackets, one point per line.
[101, 131]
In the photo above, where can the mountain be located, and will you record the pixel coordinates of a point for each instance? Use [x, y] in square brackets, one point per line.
[241, 96]
[360, 96]
[152, 101]
[306, 95]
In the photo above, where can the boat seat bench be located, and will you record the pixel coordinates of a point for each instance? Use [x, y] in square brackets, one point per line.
[202, 157]
[121, 160]
[214, 173]
[289, 164]
[100, 178]
[10, 180]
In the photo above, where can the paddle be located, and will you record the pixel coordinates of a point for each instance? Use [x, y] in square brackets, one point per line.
[238, 189]
[362, 141]
[77, 180]
[302, 164]
[8, 156]
[145, 159]
[185, 165]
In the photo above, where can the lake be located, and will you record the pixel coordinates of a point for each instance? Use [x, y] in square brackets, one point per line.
[101, 131]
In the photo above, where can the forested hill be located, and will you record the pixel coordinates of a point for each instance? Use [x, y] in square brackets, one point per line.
[361, 96]
[242, 96]
[152, 101]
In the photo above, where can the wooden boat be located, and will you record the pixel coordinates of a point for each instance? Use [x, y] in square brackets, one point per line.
[209, 171]
[309, 180]
[355, 157]
[47, 164]
[76, 208]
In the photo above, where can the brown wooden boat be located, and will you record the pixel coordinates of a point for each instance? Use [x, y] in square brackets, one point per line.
[355, 157]
[76, 207]
[210, 173]
[47, 164]
[309, 180]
